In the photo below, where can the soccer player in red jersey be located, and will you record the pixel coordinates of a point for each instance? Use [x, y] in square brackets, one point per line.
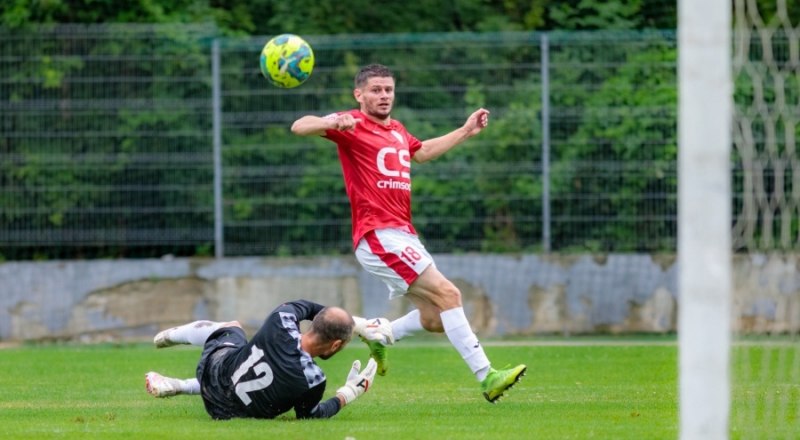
[376, 152]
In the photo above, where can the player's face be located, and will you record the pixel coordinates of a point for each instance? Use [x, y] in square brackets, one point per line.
[376, 97]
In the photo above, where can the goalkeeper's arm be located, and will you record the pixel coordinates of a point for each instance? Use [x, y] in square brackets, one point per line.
[357, 383]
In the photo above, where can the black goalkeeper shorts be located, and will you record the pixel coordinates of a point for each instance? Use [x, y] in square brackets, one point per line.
[215, 381]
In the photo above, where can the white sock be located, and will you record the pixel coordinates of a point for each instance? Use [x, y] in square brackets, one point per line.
[407, 325]
[190, 386]
[194, 333]
[464, 340]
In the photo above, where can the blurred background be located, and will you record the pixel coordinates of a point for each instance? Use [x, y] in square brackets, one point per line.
[135, 131]
[109, 127]
[148, 175]
[112, 143]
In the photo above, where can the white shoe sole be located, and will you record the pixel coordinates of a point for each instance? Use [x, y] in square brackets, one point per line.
[161, 340]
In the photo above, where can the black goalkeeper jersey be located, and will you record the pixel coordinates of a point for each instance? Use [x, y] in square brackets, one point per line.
[267, 376]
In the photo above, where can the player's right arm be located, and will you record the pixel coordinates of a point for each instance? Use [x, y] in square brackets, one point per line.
[317, 125]
[310, 407]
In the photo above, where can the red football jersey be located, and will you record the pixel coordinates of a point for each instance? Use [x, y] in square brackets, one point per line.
[376, 164]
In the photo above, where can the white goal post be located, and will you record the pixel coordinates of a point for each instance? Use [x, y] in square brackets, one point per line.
[704, 217]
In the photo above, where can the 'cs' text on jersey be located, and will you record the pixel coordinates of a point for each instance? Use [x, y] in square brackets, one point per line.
[376, 165]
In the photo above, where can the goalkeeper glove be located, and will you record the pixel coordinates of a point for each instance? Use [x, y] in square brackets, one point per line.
[375, 329]
[358, 382]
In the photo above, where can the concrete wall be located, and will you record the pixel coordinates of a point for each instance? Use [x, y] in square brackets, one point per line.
[526, 294]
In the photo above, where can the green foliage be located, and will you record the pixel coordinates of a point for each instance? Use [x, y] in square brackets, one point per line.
[627, 119]
[91, 156]
[612, 98]
[319, 17]
[259, 188]
[283, 193]
[594, 14]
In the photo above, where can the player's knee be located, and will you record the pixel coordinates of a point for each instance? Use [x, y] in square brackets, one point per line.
[232, 324]
[448, 295]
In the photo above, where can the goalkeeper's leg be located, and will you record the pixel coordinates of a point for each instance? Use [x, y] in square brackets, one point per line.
[162, 386]
[193, 333]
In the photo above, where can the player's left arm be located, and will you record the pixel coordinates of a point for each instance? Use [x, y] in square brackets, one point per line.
[358, 382]
[433, 148]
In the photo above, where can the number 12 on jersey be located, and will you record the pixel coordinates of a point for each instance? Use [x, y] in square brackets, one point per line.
[260, 369]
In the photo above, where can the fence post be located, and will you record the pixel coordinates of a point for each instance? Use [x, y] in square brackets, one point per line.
[545, 115]
[216, 111]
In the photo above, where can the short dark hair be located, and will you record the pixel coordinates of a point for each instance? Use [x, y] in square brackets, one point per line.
[372, 71]
[330, 325]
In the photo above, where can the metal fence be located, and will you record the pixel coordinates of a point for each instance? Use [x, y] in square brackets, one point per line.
[126, 140]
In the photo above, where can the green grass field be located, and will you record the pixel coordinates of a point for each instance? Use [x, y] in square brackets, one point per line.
[575, 389]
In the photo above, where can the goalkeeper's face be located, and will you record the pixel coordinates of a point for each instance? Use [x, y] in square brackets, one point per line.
[333, 347]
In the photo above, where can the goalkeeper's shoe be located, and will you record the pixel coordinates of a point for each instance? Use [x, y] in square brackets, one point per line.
[162, 339]
[498, 381]
[161, 386]
[379, 352]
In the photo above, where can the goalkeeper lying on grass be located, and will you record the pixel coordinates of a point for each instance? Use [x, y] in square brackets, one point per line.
[273, 372]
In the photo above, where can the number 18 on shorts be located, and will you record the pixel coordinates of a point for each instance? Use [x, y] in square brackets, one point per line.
[395, 256]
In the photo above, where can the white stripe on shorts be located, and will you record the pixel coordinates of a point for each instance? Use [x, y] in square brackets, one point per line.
[395, 256]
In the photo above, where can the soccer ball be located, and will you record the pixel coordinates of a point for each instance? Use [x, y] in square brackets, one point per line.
[287, 61]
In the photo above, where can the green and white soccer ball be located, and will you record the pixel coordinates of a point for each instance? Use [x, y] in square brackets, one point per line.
[287, 61]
